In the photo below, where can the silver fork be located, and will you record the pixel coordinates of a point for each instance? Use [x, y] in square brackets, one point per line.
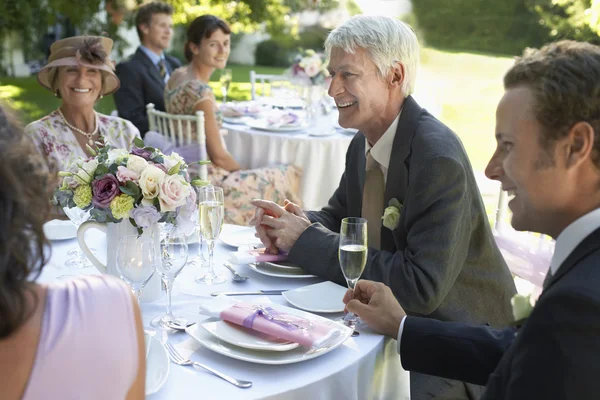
[178, 359]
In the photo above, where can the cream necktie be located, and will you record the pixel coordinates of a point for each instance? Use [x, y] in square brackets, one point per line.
[372, 200]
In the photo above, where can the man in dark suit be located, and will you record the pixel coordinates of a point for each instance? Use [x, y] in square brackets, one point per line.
[143, 75]
[439, 257]
[548, 157]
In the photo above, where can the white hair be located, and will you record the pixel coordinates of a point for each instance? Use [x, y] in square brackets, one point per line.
[386, 40]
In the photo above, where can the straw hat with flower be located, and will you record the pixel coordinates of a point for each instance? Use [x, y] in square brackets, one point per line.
[87, 51]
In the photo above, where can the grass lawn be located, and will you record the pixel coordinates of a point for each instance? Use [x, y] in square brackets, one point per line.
[467, 88]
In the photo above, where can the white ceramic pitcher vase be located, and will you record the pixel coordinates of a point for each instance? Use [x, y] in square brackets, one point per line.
[114, 232]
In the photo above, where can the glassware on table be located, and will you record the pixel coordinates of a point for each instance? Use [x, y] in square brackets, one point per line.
[353, 255]
[170, 261]
[225, 80]
[212, 212]
[199, 259]
[78, 259]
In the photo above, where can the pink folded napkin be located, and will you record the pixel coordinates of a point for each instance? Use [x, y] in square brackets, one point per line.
[282, 119]
[264, 318]
[255, 255]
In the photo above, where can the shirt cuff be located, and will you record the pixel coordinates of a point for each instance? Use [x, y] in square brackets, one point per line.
[400, 333]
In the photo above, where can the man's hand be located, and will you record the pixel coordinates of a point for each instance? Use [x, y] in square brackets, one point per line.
[278, 227]
[376, 305]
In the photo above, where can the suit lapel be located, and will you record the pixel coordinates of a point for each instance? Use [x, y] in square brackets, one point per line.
[150, 67]
[397, 175]
[589, 244]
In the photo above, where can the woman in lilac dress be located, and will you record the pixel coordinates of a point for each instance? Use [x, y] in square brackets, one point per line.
[80, 339]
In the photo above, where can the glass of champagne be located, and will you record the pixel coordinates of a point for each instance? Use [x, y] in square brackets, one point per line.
[212, 213]
[225, 80]
[353, 255]
[171, 260]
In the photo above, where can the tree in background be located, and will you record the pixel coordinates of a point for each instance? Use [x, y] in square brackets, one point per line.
[570, 19]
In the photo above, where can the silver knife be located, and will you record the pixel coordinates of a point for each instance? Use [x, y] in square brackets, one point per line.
[257, 292]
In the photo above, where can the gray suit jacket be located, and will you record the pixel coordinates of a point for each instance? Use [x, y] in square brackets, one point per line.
[441, 261]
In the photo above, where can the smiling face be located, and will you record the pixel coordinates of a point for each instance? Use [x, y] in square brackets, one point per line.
[79, 86]
[157, 34]
[213, 52]
[535, 177]
[365, 100]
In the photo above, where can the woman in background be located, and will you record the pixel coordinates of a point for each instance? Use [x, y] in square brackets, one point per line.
[207, 48]
[80, 339]
[79, 72]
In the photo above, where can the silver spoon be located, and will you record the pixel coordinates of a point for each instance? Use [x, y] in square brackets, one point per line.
[178, 327]
[236, 277]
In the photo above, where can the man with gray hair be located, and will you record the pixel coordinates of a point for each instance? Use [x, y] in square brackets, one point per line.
[438, 256]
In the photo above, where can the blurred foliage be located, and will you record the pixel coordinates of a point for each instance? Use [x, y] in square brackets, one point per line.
[501, 27]
[280, 51]
[570, 19]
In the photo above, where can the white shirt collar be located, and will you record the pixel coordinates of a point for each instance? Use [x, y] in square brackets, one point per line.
[572, 236]
[382, 151]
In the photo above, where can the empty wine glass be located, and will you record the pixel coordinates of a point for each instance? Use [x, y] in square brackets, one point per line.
[225, 80]
[77, 217]
[136, 259]
[353, 255]
[212, 212]
[172, 258]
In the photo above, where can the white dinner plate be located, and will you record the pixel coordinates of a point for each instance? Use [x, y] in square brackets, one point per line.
[242, 119]
[157, 364]
[284, 265]
[263, 125]
[261, 268]
[298, 354]
[60, 230]
[324, 297]
[246, 338]
[239, 236]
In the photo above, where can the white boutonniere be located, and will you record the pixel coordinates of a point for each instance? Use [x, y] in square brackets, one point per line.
[521, 308]
[391, 215]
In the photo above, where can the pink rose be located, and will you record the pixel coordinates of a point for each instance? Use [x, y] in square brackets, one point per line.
[124, 174]
[174, 191]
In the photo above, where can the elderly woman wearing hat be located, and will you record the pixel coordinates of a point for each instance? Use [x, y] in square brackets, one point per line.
[79, 72]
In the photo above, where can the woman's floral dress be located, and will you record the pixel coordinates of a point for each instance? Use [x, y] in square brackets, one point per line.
[57, 142]
[275, 183]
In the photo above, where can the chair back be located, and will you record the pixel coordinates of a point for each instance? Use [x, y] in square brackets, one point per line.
[181, 130]
[266, 80]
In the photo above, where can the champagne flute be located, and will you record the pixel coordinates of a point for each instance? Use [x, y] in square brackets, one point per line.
[212, 212]
[225, 80]
[353, 255]
[171, 260]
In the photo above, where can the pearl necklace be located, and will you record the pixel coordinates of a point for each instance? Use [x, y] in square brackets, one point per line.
[89, 136]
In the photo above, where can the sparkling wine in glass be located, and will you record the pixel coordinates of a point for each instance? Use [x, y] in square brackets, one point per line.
[173, 255]
[212, 213]
[225, 80]
[353, 255]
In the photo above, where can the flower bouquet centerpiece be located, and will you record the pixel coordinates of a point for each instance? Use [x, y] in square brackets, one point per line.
[143, 186]
[310, 72]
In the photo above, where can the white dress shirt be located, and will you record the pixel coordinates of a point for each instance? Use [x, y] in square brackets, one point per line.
[566, 242]
[382, 151]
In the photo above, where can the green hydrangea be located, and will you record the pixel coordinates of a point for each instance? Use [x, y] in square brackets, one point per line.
[83, 196]
[121, 205]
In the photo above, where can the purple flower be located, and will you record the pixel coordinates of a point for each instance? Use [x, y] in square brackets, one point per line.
[145, 216]
[104, 190]
[162, 167]
[145, 154]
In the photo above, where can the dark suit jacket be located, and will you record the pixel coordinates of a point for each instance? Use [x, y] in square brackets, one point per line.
[141, 84]
[442, 260]
[554, 355]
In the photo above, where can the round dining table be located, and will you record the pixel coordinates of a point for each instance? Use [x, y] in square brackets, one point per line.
[318, 148]
[363, 367]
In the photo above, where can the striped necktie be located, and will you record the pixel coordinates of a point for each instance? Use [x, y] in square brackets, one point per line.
[162, 69]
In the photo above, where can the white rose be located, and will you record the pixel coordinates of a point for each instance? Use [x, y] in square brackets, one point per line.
[521, 306]
[150, 181]
[391, 217]
[174, 191]
[115, 155]
[136, 164]
[86, 172]
[173, 160]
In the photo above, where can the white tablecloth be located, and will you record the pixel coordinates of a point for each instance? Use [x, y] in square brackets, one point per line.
[365, 367]
[322, 158]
